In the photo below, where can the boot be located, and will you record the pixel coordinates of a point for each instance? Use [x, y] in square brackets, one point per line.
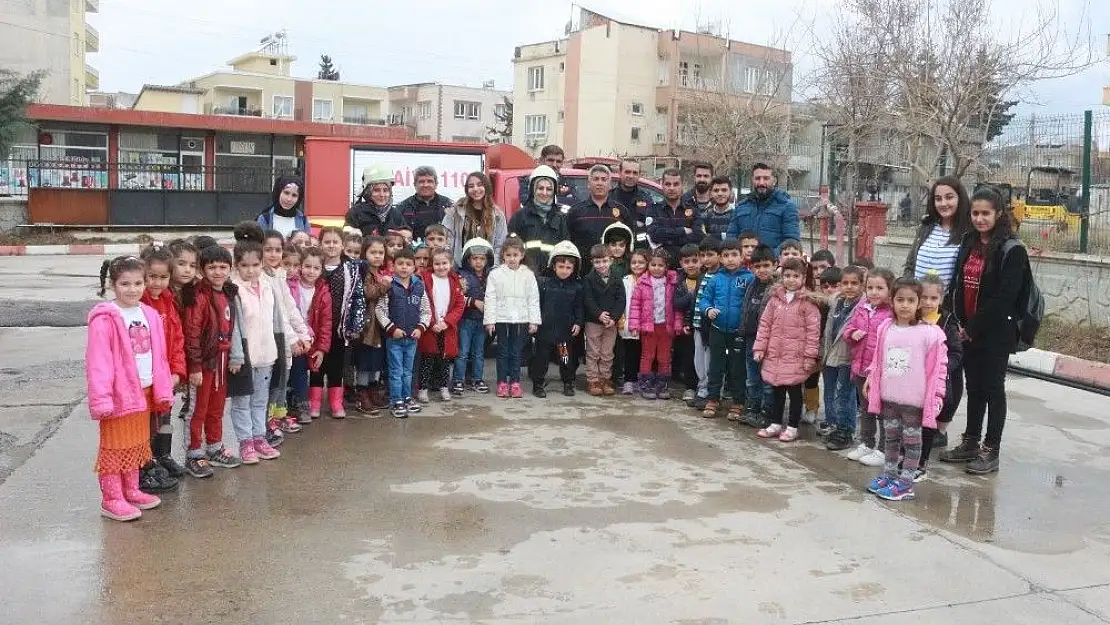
[663, 386]
[538, 389]
[983, 463]
[315, 398]
[112, 503]
[162, 446]
[379, 397]
[365, 403]
[335, 402]
[647, 386]
[966, 451]
[134, 496]
[154, 479]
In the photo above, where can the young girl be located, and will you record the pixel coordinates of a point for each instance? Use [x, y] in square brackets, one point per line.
[161, 473]
[932, 294]
[299, 239]
[182, 280]
[348, 310]
[652, 314]
[630, 339]
[861, 332]
[352, 246]
[291, 261]
[369, 352]
[439, 346]
[254, 352]
[310, 292]
[787, 346]
[512, 308]
[906, 386]
[128, 375]
[394, 242]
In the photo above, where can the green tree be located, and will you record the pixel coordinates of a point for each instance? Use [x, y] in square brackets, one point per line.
[327, 69]
[16, 92]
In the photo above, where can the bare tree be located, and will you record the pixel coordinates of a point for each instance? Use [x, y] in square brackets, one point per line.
[502, 129]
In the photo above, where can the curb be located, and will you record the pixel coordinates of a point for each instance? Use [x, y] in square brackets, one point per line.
[83, 249]
[1087, 372]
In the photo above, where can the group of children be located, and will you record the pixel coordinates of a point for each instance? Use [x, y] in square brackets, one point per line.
[274, 322]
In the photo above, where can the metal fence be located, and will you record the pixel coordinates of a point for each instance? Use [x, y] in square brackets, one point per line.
[18, 176]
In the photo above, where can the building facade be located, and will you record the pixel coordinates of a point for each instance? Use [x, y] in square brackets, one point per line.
[438, 112]
[51, 36]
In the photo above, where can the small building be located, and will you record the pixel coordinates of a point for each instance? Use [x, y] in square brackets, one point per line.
[54, 38]
[438, 112]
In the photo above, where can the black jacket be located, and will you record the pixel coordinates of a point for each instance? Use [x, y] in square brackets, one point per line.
[561, 304]
[714, 224]
[419, 214]
[364, 216]
[602, 297]
[753, 307]
[586, 222]
[667, 227]
[540, 232]
[638, 202]
[996, 310]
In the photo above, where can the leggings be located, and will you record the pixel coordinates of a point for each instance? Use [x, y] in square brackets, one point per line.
[779, 393]
[435, 371]
[903, 431]
[331, 368]
[656, 347]
[627, 360]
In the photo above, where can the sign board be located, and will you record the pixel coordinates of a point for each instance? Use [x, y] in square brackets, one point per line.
[452, 170]
[242, 147]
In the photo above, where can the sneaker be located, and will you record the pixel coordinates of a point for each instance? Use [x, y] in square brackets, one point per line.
[445, 394]
[896, 490]
[515, 391]
[171, 466]
[920, 475]
[759, 421]
[984, 463]
[422, 396]
[858, 452]
[809, 417]
[838, 440]
[879, 483]
[710, 410]
[264, 450]
[771, 431]
[274, 438]
[735, 412]
[480, 387]
[789, 435]
[824, 428]
[875, 458]
[966, 451]
[247, 453]
[503, 390]
[689, 396]
[304, 418]
[399, 410]
[223, 458]
[568, 389]
[198, 467]
[628, 388]
[538, 390]
[289, 424]
[457, 389]
[413, 406]
[154, 479]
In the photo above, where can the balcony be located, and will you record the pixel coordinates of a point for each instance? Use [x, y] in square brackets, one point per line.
[232, 110]
[360, 120]
[92, 39]
[803, 157]
[92, 6]
[92, 78]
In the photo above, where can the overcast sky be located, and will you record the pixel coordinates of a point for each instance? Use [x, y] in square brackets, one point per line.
[384, 43]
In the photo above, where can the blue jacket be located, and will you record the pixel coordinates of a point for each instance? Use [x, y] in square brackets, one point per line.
[774, 220]
[408, 308]
[725, 292]
[266, 220]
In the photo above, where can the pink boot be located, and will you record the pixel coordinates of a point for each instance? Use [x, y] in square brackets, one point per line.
[112, 503]
[133, 495]
[315, 399]
[335, 401]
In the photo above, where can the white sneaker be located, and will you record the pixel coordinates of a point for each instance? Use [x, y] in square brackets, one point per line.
[688, 396]
[422, 396]
[810, 417]
[445, 394]
[858, 452]
[874, 459]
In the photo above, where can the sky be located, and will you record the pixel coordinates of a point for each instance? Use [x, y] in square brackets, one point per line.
[389, 43]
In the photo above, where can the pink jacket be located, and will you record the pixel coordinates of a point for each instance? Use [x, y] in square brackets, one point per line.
[936, 373]
[110, 370]
[641, 317]
[789, 338]
[869, 320]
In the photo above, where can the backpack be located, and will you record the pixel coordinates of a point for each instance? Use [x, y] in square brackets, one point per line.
[1030, 310]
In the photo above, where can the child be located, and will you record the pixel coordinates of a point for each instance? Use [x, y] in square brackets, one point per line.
[811, 394]
[477, 260]
[435, 235]
[512, 306]
[653, 315]
[405, 313]
[423, 255]
[748, 241]
[721, 305]
[128, 376]
[757, 395]
[684, 304]
[787, 346]
[841, 401]
[861, 332]
[161, 473]
[822, 260]
[932, 294]
[209, 322]
[709, 251]
[617, 238]
[562, 313]
[369, 351]
[829, 281]
[352, 246]
[394, 243]
[255, 339]
[790, 248]
[439, 347]
[348, 310]
[627, 357]
[310, 291]
[905, 384]
[603, 301]
[291, 261]
[299, 239]
[183, 286]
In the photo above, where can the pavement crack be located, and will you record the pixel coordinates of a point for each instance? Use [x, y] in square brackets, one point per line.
[24, 452]
[939, 606]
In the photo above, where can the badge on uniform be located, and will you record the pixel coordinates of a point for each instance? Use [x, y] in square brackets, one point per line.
[641, 203]
[689, 212]
[617, 213]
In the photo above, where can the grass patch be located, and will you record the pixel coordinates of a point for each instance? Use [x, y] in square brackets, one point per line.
[1090, 342]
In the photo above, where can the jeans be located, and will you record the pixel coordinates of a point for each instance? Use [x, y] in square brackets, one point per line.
[701, 361]
[510, 345]
[725, 353]
[298, 380]
[472, 349]
[402, 360]
[759, 397]
[841, 402]
[248, 412]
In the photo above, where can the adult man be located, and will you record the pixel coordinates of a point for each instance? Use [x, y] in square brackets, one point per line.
[698, 197]
[588, 219]
[425, 207]
[539, 222]
[669, 223]
[767, 211]
[715, 220]
[552, 156]
[638, 202]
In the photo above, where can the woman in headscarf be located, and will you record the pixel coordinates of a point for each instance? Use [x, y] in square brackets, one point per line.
[540, 222]
[286, 212]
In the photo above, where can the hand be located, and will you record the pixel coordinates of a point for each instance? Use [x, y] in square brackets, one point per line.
[858, 335]
[712, 313]
[397, 333]
[687, 330]
[757, 356]
[317, 359]
[175, 378]
[491, 329]
[480, 304]
[575, 329]
[866, 388]
[688, 231]
[234, 368]
[416, 334]
[963, 336]
[298, 349]
[196, 379]
[532, 328]
[439, 327]
[605, 318]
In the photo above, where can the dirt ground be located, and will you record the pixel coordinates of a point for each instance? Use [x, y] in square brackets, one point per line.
[1082, 341]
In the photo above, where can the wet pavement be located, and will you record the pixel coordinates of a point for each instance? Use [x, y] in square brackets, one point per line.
[556, 511]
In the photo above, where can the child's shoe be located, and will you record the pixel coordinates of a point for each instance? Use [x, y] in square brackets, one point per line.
[735, 412]
[515, 391]
[711, 408]
[170, 465]
[264, 450]
[647, 386]
[198, 467]
[663, 386]
[364, 403]
[289, 424]
[789, 435]
[629, 388]
[771, 431]
[538, 390]
[502, 389]
[457, 388]
[757, 420]
[134, 496]
[594, 388]
[335, 402]
[838, 440]
[824, 428]
[247, 452]
[422, 396]
[480, 386]
[896, 490]
[413, 406]
[112, 503]
[858, 452]
[809, 417]
[608, 389]
[274, 436]
[445, 394]
[878, 483]
[875, 458]
[399, 410]
[154, 479]
[920, 475]
[223, 458]
[568, 389]
[689, 396]
[315, 400]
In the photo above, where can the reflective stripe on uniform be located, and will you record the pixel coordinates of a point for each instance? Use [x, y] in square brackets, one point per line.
[538, 245]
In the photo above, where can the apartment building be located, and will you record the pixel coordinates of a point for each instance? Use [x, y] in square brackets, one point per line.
[617, 88]
[438, 112]
[51, 36]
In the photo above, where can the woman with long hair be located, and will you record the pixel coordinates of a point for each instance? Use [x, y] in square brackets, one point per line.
[947, 219]
[475, 216]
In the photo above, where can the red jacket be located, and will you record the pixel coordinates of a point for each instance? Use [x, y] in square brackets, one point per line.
[428, 340]
[318, 317]
[208, 325]
[166, 305]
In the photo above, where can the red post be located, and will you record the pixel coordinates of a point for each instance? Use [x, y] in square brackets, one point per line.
[872, 223]
[824, 221]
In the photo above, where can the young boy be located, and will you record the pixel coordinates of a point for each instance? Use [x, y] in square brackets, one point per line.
[405, 312]
[758, 394]
[604, 304]
[820, 261]
[748, 240]
[684, 303]
[561, 311]
[841, 403]
[617, 238]
[709, 254]
[715, 220]
[435, 235]
[790, 248]
[477, 260]
[722, 308]
[208, 326]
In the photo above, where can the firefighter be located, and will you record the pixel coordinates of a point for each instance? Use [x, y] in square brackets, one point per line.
[670, 224]
[588, 219]
[629, 194]
[541, 222]
[373, 213]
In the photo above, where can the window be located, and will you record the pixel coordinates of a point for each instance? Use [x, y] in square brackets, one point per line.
[689, 74]
[635, 135]
[499, 111]
[467, 110]
[535, 127]
[562, 66]
[637, 108]
[321, 111]
[424, 109]
[759, 80]
[283, 106]
[355, 113]
[535, 78]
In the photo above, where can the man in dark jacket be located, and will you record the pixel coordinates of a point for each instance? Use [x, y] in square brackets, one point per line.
[715, 220]
[767, 211]
[374, 213]
[698, 198]
[631, 195]
[425, 207]
[587, 220]
[561, 309]
[669, 224]
[539, 222]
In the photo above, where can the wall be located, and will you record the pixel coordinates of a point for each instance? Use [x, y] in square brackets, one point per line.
[638, 68]
[1075, 286]
[590, 121]
[163, 101]
[13, 212]
[551, 55]
[39, 36]
[488, 98]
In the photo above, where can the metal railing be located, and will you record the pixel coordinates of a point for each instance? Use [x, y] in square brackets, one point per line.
[17, 177]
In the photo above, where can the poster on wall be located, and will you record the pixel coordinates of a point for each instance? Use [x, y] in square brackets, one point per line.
[452, 170]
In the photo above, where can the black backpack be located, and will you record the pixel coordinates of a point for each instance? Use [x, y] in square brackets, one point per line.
[1030, 311]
